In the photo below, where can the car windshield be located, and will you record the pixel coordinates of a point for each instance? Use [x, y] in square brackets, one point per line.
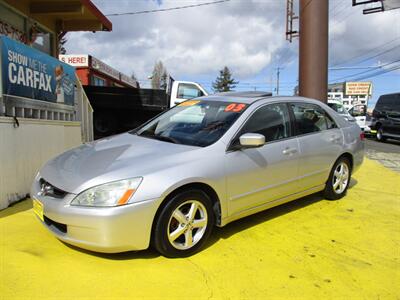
[193, 122]
[339, 108]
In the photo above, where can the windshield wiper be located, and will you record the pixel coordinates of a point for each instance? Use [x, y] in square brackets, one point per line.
[160, 138]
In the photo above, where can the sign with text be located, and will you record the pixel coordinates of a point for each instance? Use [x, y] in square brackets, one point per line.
[75, 60]
[98, 65]
[358, 88]
[29, 73]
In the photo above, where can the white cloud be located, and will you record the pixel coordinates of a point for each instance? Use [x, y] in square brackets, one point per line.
[243, 35]
[246, 35]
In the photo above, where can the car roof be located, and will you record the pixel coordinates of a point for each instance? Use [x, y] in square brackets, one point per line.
[250, 97]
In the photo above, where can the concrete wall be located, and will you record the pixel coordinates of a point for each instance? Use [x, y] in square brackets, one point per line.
[23, 150]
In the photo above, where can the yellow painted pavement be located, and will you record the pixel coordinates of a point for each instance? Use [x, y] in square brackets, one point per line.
[308, 249]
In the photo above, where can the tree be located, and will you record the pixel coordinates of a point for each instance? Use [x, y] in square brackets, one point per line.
[61, 48]
[224, 82]
[164, 80]
[159, 76]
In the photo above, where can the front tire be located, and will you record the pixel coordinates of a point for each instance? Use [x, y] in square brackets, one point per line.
[339, 179]
[184, 224]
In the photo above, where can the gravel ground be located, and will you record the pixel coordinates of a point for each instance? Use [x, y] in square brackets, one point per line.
[388, 154]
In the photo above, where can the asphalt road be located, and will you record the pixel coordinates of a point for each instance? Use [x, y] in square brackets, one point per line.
[390, 146]
[387, 153]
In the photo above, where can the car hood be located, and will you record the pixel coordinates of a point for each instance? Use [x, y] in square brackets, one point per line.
[110, 159]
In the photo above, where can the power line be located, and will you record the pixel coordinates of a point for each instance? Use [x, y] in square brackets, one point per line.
[363, 72]
[166, 9]
[372, 50]
[368, 71]
[378, 73]
[379, 54]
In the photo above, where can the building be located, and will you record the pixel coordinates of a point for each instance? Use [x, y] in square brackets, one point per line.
[350, 93]
[43, 107]
[92, 71]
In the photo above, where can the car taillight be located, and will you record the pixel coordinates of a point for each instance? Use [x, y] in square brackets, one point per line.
[362, 136]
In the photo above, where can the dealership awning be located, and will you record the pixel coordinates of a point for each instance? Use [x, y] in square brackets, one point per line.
[70, 15]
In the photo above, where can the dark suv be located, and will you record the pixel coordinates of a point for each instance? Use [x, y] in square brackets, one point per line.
[386, 117]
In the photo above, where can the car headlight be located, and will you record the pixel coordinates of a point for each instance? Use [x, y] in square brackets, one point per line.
[110, 194]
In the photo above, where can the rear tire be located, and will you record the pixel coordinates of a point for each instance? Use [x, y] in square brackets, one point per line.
[184, 224]
[339, 179]
[379, 135]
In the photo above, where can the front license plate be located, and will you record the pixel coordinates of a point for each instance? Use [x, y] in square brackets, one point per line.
[38, 209]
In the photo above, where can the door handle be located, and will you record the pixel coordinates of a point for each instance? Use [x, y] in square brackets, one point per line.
[288, 151]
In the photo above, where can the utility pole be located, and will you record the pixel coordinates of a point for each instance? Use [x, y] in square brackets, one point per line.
[277, 80]
[313, 58]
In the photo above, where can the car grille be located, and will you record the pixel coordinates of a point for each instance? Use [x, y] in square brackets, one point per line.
[47, 189]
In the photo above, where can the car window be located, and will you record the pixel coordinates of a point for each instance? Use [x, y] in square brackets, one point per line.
[383, 101]
[271, 120]
[188, 91]
[311, 118]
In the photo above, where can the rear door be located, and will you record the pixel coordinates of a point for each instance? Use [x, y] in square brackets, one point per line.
[320, 143]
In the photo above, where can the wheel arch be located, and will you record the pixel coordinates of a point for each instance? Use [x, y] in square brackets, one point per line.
[349, 156]
[207, 189]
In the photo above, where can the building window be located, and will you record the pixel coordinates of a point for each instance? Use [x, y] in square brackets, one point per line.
[27, 31]
[41, 40]
[12, 24]
[98, 81]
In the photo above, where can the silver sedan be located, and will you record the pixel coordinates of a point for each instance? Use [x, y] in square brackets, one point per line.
[204, 163]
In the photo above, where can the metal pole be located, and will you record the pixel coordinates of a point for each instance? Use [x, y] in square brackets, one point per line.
[313, 49]
[277, 81]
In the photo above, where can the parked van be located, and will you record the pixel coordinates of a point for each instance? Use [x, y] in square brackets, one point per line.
[386, 117]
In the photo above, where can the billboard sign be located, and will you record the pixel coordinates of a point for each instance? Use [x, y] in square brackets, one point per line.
[358, 88]
[101, 67]
[30, 73]
[75, 60]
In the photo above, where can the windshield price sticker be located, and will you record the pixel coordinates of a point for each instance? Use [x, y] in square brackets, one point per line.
[235, 107]
[189, 103]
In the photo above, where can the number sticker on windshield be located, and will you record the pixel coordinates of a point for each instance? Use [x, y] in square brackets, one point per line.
[189, 103]
[235, 107]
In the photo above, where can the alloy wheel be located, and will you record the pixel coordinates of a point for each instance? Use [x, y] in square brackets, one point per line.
[187, 224]
[340, 178]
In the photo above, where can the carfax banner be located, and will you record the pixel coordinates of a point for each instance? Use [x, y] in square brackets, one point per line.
[27, 72]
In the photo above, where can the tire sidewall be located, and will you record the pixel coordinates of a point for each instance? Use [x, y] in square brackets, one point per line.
[161, 241]
[379, 134]
[329, 191]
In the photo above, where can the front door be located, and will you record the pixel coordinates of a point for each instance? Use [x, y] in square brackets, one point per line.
[260, 175]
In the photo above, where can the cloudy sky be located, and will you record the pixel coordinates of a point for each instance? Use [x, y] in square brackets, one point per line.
[248, 36]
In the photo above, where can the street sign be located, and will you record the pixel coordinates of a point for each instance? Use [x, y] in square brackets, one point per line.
[358, 88]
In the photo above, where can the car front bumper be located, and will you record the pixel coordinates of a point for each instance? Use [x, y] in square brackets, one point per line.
[100, 229]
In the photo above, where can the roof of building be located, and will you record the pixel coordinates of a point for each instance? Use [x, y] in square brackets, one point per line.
[71, 15]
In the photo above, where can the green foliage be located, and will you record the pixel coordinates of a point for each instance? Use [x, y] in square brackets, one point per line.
[61, 43]
[224, 82]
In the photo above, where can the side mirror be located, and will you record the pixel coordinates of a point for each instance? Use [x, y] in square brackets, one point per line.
[252, 140]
